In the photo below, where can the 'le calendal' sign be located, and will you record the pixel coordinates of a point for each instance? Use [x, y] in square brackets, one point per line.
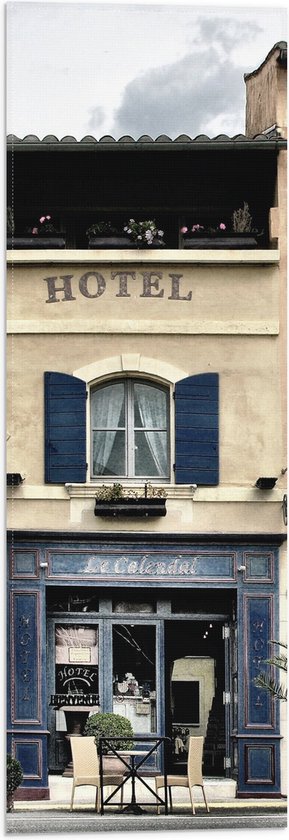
[150, 566]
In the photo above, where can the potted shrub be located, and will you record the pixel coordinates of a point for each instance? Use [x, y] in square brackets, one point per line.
[239, 235]
[41, 235]
[144, 234]
[115, 501]
[109, 724]
[105, 235]
[14, 777]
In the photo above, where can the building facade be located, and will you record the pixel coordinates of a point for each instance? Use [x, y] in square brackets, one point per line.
[162, 370]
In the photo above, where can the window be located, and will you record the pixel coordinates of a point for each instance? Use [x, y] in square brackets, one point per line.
[129, 429]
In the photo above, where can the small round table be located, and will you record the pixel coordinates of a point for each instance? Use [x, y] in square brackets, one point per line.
[133, 807]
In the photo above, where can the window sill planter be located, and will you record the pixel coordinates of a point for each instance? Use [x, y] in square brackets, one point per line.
[33, 243]
[235, 242]
[130, 508]
[119, 242]
[109, 242]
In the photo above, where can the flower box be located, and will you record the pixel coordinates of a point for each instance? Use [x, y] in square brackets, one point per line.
[240, 242]
[34, 242]
[131, 507]
[109, 242]
[121, 242]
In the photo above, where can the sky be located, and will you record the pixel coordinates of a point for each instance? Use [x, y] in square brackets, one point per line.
[98, 68]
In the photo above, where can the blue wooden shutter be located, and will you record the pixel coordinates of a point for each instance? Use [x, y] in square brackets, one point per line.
[65, 428]
[196, 430]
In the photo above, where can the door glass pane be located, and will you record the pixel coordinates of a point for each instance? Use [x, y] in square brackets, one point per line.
[134, 681]
[76, 660]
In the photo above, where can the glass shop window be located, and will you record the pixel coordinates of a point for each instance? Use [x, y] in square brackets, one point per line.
[129, 430]
[133, 607]
[69, 599]
[134, 675]
[76, 662]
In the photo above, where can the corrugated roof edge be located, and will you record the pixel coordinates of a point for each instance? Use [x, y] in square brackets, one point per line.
[281, 47]
[182, 141]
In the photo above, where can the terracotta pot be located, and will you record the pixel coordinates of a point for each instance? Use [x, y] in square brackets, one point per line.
[113, 766]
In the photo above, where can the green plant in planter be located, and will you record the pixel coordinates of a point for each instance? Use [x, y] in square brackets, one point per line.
[43, 227]
[102, 229]
[242, 221]
[144, 233]
[14, 777]
[108, 725]
[114, 492]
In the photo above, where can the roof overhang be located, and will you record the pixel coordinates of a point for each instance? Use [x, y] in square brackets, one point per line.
[145, 143]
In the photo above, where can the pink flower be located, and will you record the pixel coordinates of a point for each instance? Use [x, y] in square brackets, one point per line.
[222, 226]
[48, 217]
[197, 227]
[184, 229]
[42, 219]
[34, 230]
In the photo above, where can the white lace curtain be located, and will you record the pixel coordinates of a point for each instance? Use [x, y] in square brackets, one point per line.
[152, 407]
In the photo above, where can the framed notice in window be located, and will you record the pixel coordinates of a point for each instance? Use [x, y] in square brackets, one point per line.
[82, 654]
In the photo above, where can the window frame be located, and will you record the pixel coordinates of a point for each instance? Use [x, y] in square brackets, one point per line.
[130, 429]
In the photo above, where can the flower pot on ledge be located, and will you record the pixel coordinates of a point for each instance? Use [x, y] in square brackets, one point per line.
[235, 242]
[119, 242]
[109, 242]
[32, 243]
[130, 507]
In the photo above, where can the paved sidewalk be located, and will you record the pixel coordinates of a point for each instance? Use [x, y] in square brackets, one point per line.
[54, 816]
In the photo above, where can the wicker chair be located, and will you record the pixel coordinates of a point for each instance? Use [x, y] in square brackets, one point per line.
[194, 773]
[86, 768]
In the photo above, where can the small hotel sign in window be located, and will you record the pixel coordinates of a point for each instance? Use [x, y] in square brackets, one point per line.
[79, 654]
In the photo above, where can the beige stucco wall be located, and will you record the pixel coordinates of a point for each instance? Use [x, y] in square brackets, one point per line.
[226, 321]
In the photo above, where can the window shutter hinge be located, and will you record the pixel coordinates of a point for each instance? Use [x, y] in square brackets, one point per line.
[174, 395]
[86, 395]
[174, 467]
[227, 763]
[225, 631]
[226, 698]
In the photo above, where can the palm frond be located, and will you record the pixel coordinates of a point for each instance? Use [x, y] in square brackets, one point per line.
[278, 691]
[280, 644]
[277, 662]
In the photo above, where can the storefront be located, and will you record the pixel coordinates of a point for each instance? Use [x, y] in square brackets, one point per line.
[156, 629]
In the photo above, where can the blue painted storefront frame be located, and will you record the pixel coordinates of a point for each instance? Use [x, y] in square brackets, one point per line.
[210, 563]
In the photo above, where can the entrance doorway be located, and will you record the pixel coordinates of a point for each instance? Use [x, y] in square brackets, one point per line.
[195, 691]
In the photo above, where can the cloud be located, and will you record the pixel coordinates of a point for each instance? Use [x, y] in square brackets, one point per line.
[191, 93]
[96, 118]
